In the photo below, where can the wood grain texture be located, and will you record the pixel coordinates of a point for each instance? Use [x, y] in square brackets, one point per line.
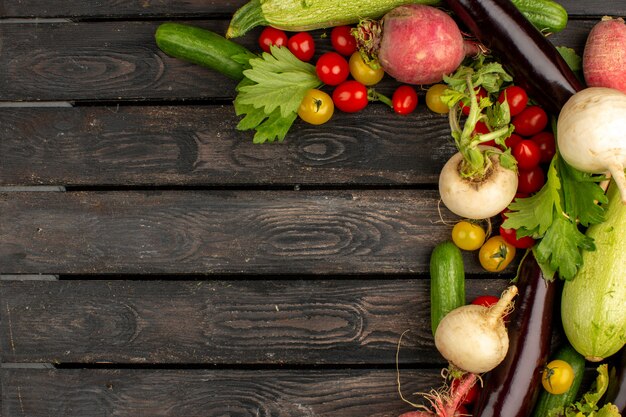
[201, 393]
[199, 145]
[209, 232]
[182, 8]
[314, 322]
[119, 60]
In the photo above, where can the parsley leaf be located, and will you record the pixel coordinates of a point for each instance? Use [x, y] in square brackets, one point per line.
[271, 92]
[580, 194]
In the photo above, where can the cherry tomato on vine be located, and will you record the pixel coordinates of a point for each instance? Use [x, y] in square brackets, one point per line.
[302, 45]
[467, 235]
[362, 72]
[316, 107]
[545, 141]
[350, 96]
[342, 40]
[557, 377]
[485, 300]
[516, 97]
[480, 94]
[404, 99]
[332, 68]
[527, 154]
[272, 36]
[530, 180]
[496, 254]
[433, 99]
[510, 235]
[531, 120]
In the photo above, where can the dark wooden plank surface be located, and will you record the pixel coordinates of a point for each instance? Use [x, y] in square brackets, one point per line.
[178, 8]
[120, 61]
[209, 232]
[210, 393]
[264, 321]
[199, 145]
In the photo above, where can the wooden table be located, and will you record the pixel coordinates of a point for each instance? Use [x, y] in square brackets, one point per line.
[155, 262]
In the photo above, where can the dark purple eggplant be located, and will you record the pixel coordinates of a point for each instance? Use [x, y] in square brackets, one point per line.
[534, 62]
[511, 389]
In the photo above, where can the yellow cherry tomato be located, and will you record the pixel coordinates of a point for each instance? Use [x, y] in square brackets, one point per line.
[316, 107]
[433, 99]
[362, 72]
[557, 377]
[496, 254]
[467, 235]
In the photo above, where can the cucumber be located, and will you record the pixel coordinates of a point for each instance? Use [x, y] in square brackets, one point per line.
[546, 15]
[593, 303]
[447, 281]
[203, 47]
[546, 401]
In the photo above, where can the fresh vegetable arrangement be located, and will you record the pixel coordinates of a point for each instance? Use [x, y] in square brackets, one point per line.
[541, 181]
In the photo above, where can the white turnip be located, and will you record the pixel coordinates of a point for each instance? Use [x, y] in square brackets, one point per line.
[604, 57]
[473, 337]
[415, 43]
[591, 133]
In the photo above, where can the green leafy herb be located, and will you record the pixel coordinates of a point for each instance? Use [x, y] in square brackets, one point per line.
[270, 94]
[568, 198]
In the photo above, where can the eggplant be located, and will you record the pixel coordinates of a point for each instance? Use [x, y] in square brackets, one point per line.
[535, 63]
[511, 389]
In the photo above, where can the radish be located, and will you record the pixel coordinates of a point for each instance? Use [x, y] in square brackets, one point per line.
[415, 44]
[479, 181]
[592, 133]
[448, 402]
[473, 337]
[604, 57]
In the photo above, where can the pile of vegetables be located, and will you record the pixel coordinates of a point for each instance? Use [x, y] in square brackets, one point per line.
[543, 183]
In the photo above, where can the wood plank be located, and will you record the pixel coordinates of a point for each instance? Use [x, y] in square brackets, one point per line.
[205, 393]
[189, 8]
[210, 232]
[199, 145]
[120, 61]
[304, 322]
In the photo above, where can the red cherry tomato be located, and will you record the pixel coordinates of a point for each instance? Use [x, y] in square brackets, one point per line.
[485, 300]
[531, 180]
[510, 235]
[512, 140]
[545, 141]
[516, 97]
[472, 394]
[332, 68]
[481, 93]
[272, 36]
[404, 99]
[527, 154]
[302, 45]
[350, 96]
[532, 120]
[342, 40]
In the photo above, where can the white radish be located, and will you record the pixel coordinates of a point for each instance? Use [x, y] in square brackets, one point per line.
[473, 338]
[591, 133]
[476, 198]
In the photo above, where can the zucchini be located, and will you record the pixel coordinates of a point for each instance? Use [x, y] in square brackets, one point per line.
[546, 15]
[203, 47]
[447, 281]
[302, 15]
[593, 303]
[547, 401]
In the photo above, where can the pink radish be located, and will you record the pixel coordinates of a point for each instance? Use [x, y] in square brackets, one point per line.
[415, 43]
[604, 57]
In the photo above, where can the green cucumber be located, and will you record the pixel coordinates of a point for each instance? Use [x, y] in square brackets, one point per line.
[203, 47]
[447, 281]
[546, 401]
[592, 303]
[546, 15]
